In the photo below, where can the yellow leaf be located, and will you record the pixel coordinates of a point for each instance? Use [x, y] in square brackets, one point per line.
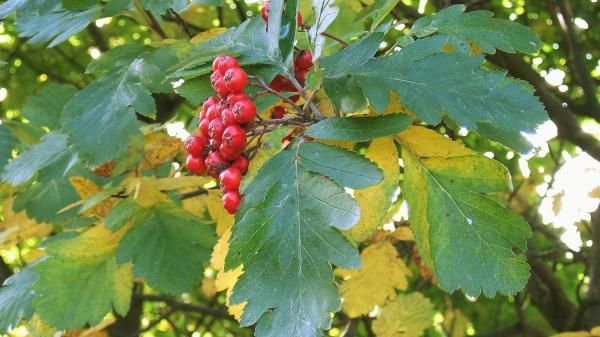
[87, 188]
[145, 191]
[226, 279]
[427, 143]
[208, 287]
[216, 211]
[403, 234]
[38, 328]
[574, 334]
[171, 184]
[159, 148]
[17, 227]
[375, 200]
[209, 34]
[406, 316]
[382, 272]
[33, 255]
[595, 331]
[324, 104]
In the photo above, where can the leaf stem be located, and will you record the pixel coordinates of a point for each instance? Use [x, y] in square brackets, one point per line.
[343, 43]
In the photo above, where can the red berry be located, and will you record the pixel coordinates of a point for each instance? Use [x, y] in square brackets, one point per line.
[229, 180]
[301, 75]
[231, 201]
[215, 65]
[234, 137]
[227, 117]
[242, 163]
[215, 77]
[223, 104]
[212, 100]
[303, 60]
[226, 63]
[244, 111]
[212, 113]
[215, 129]
[221, 88]
[277, 112]
[236, 97]
[196, 145]
[236, 79]
[214, 144]
[195, 165]
[299, 19]
[229, 153]
[264, 11]
[203, 126]
[215, 164]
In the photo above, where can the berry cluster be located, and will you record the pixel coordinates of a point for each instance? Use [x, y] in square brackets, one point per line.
[264, 12]
[302, 65]
[219, 149]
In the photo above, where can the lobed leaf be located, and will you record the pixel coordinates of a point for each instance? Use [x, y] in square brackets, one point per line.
[16, 297]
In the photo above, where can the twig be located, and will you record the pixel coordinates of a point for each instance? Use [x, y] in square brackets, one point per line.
[193, 194]
[181, 22]
[329, 35]
[151, 20]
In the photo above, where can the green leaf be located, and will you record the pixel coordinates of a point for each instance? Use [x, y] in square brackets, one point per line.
[286, 237]
[43, 201]
[35, 18]
[44, 108]
[349, 59]
[358, 128]
[11, 6]
[15, 299]
[118, 57]
[196, 90]
[121, 214]
[100, 119]
[377, 11]
[464, 235]
[430, 83]
[161, 6]
[479, 27]
[345, 93]
[348, 168]
[76, 5]
[281, 31]
[325, 14]
[51, 148]
[168, 247]
[82, 278]
[7, 144]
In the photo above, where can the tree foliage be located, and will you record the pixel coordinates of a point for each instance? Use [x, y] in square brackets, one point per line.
[389, 197]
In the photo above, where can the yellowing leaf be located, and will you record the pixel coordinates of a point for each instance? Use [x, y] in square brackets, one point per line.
[382, 272]
[209, 34]
[17, 227]
[87, 188]
[38, 328]
[171, 184]
[216, 211]
[428, 143]
[159, 148]
[396, 106]
[324, 104]
[208, 287]
[226, 279]
[145, 191]
[406, 316]
[375, 200]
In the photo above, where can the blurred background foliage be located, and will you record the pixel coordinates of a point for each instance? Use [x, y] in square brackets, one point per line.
[557, 187]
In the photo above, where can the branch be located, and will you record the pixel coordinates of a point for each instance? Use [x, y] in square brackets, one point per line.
[565, 19]
[176, 305]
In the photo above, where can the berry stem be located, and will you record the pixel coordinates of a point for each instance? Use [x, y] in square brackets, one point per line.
[259, 83]
[301, 91]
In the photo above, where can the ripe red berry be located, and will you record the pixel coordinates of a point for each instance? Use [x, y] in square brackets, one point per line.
[221, 88]
[227, 117]
[234, 137]
[215, 164]
[236, 79]
[242, 163]
[196, 145]
[207, 104]
[229, 180]
[195, 165]
[215, 77]
[203, 126]
[301, 75]
[236, 97]
[264, 11]
[277, 112]
[214, 144]
[299, 19]
[229, 153]
[215, 129]
[244, 111]
[211, 113]
[226, 63]
[215, 65]
[231, 201]
[303, 60]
